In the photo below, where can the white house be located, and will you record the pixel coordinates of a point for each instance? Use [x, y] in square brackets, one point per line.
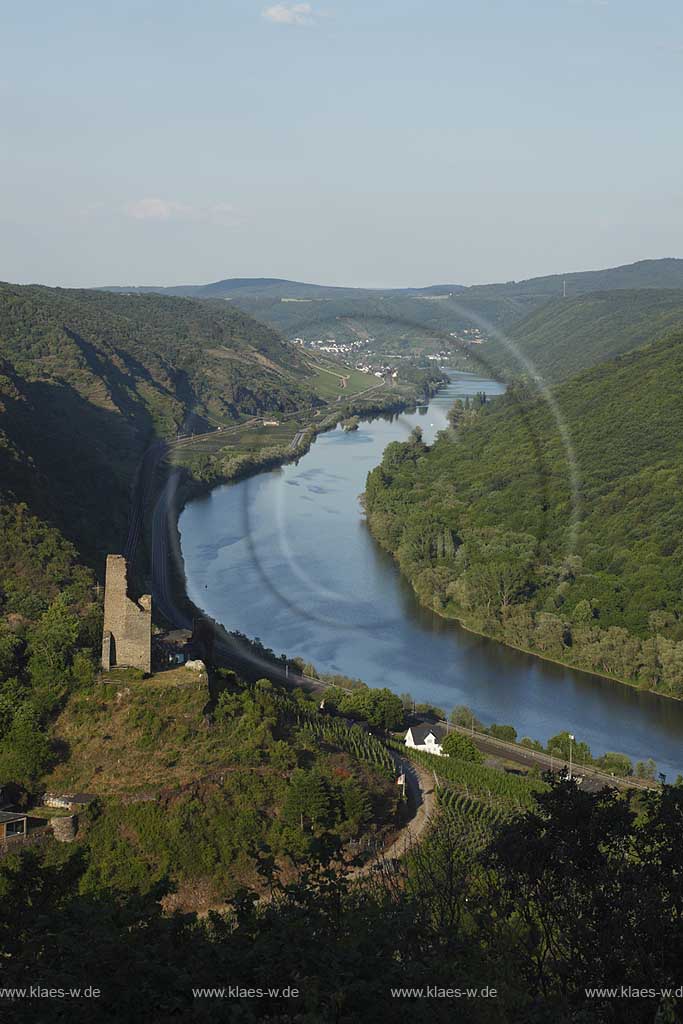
[425, 737]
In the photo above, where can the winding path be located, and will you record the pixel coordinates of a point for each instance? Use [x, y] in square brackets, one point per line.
[421, 793]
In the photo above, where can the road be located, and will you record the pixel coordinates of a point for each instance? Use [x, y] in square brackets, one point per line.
[141, 496]
[421, 794]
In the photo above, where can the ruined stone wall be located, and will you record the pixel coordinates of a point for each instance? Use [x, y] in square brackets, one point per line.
[127, 634]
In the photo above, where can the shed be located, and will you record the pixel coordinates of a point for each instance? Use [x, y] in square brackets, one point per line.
[12, 823]
[174, 647]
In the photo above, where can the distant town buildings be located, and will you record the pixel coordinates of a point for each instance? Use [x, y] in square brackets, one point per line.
[332, 346]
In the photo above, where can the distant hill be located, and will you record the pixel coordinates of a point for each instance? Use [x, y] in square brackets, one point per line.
[277, 288]
[567, 335]
[664, 273]
[413, 318]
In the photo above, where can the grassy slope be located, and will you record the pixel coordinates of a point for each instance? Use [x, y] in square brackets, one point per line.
[129, 735]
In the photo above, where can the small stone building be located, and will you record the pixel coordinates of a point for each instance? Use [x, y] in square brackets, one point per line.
[73, 802]
[127, 634]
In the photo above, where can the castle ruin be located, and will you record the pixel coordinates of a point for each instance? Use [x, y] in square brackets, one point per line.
[127, 635]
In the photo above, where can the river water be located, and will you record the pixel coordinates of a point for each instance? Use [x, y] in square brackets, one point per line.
[286, 556]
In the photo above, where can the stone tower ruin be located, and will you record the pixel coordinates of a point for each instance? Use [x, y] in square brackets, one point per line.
[127, 635]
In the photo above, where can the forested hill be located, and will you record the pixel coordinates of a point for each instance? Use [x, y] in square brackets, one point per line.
[568, 335]
[146, 357]
[482, 522]
[89, 379]
[421, 315]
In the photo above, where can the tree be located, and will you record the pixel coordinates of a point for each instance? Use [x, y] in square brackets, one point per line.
[9, 649]
[462, 715]
[461, 748]
[25, 749]
[357, 806]
[588, 889]
[616, 764]
[307, 804]
[12, 697]
[503, 732]
[646, 769]
[386, 709]
[51, 643]
[82, 669]
[561, 745]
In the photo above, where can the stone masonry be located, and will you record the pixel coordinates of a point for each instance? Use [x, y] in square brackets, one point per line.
[127, 635]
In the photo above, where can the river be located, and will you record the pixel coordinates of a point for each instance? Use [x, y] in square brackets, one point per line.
[286, 556]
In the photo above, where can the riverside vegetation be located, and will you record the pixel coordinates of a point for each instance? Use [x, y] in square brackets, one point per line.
[482, 522]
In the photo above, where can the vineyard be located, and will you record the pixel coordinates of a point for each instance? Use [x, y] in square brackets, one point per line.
[454, 801]
[488, 786]
[351, 738]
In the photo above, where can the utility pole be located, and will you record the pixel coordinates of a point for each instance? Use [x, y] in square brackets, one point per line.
[571, 744]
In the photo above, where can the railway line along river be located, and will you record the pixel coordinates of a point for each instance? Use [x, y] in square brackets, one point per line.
[286, 556]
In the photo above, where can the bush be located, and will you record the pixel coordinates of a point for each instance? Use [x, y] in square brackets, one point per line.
[504, 732]
[461, 748]
[616, 764]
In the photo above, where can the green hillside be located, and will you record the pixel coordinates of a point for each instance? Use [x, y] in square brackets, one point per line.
[482, 523]
[154, 361]
[419, 318]
[90, 378]
[568, 335]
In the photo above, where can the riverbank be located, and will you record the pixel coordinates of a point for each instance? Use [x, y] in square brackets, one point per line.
[542, 656]
[487, 538]
[287, 557]
[168, 576]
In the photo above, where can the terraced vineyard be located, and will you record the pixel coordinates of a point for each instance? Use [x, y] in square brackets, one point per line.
[455, 802]
[495, 789]
[352, 738]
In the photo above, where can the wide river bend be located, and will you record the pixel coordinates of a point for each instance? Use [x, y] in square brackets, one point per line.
[286, 556]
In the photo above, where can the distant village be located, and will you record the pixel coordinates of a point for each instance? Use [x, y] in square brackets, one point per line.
[347, 350]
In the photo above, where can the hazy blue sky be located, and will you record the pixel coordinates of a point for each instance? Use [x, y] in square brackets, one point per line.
[342, 141]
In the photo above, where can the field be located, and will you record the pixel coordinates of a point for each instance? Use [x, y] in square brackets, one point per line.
[327, 381]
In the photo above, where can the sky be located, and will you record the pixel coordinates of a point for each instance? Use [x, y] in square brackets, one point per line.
[351, 142]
